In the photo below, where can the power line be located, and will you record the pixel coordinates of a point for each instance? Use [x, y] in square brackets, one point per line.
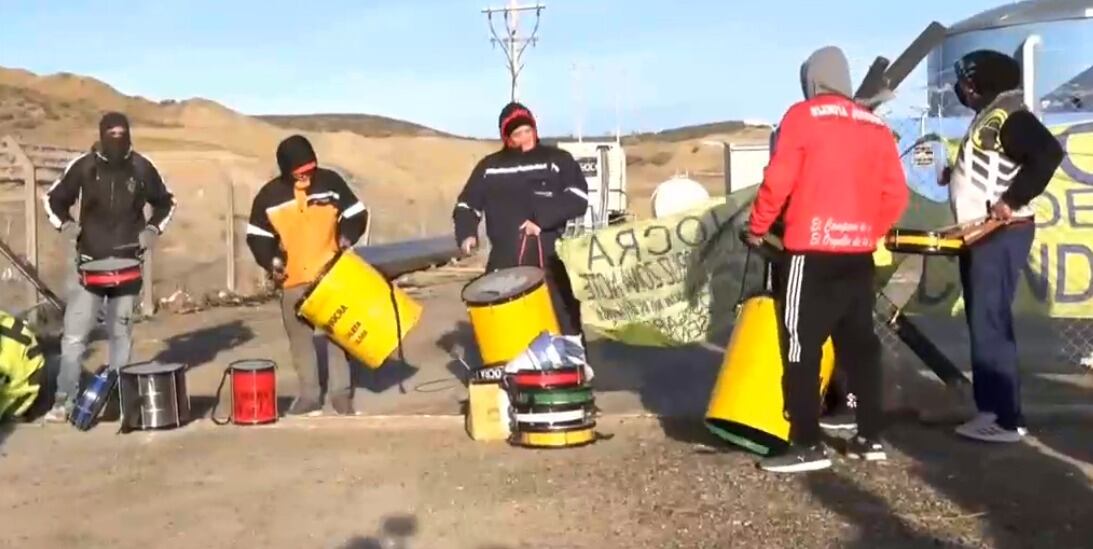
[513, 44]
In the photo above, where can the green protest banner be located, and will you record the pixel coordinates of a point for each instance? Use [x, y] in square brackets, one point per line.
[663, 282]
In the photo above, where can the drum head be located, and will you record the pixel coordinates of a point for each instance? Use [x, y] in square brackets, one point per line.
[253, 365]
[145, 368]
[109, 264]
[501, 286]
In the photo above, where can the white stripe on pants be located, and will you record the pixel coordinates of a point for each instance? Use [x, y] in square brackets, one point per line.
[793, 305]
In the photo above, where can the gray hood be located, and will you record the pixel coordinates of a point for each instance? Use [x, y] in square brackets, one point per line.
[826, 71]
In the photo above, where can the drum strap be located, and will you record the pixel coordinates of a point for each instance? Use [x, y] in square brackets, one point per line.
[219, 390]
[523, 246]
[398, 332]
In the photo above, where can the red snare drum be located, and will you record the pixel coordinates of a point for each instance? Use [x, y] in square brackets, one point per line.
[253, 392]
[546, 379]
[110, 272]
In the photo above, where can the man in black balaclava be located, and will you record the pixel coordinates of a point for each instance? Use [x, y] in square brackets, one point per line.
[1006, 159]
[113, 184]
[527, 191]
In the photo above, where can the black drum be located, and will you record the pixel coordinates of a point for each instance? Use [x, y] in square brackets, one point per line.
[153, 396]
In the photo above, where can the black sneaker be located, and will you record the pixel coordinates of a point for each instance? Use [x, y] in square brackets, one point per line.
[797, 459]
[862, 448]
[840, 421]
[305, 408]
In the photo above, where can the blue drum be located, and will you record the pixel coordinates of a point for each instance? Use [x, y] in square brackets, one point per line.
[93, 399]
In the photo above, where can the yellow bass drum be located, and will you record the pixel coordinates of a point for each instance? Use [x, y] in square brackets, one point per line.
[746, 406]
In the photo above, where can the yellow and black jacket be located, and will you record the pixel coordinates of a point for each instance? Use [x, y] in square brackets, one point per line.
[303, 225]
[21, 363]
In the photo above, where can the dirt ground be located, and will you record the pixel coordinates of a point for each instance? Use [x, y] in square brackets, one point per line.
[359, 483]
[406, 475]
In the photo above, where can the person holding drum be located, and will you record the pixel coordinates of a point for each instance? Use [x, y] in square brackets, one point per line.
[299, 221]
[837, 204]
[1005, 161]
[527, 191]
[113, 184]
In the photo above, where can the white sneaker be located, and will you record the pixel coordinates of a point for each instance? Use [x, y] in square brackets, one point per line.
[989, 431]
[988, 418]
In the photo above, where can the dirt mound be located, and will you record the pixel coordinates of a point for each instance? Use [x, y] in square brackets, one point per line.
[409, 175]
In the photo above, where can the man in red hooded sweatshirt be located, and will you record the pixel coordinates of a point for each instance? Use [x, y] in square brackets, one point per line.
[837, 176]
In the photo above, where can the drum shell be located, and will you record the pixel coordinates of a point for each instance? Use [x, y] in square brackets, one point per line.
[93, 399]
[153, 400]
[351, 303]
[746, 406]
[570, 438]
[505, 328]
[254, 395]
[558, 378]
[910, 241]
[130, 276]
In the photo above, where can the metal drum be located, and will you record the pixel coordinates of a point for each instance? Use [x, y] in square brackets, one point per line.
[109, 272]
[253, 392]
[556, 436]
[93, 399]
[508, 309]
[153, 396]
[914, 241]
[568, 377]
[359, 309]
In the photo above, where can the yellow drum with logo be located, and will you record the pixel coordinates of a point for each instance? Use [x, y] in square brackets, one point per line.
[359, 309]
[746, 407]
[508, 308]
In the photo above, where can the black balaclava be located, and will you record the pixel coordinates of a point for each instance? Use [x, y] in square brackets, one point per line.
[988, 73]
[295, 155]
[513, 116]
[115, 149]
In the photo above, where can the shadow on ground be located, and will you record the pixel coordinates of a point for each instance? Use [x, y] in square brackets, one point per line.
[395, 532]
[201, 347]
[1023, 497]
[875, 520]
[673, 383]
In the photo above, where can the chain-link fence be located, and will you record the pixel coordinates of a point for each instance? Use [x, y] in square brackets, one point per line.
[1054, 309]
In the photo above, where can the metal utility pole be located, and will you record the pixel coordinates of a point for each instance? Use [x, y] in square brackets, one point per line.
[512, 42]
[578, 102]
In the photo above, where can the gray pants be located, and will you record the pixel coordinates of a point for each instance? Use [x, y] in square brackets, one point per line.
[81, 316]
[302, 345]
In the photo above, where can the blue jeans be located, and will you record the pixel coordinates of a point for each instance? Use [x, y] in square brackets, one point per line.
[81, 316]
[989, 273]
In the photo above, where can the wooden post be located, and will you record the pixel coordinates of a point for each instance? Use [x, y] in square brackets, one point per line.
[148, 300]
[30, 215]
[229, 231]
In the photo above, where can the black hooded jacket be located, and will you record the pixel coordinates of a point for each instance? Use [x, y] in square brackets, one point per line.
[113, 183]
[1022, 136]
[302, 224]
[544, 185]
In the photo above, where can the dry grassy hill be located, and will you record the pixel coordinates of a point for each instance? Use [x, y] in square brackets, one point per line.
[407, 173]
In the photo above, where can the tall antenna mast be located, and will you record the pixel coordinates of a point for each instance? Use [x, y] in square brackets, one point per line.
[510, 40]
[578, 101]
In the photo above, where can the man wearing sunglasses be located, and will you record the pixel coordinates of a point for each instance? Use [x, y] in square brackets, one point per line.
[299, 221]
[113, 184]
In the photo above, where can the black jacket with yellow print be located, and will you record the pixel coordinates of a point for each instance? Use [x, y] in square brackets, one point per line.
[303, 226]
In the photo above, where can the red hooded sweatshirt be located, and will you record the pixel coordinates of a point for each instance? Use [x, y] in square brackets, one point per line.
[837, 167]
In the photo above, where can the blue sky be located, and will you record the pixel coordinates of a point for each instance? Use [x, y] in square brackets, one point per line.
[664, 64]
